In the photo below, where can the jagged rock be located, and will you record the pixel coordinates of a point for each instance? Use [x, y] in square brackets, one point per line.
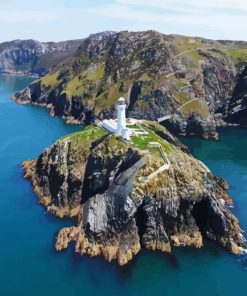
[103, 181]
[237, 109]
[200, 82]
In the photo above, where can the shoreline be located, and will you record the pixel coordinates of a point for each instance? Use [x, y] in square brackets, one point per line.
[20, 74]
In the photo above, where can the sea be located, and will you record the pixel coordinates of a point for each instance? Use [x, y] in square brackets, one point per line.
[29, 264]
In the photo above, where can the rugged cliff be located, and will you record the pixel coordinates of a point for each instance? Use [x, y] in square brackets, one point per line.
[121, 203]
[194, 80]
[33, 57]
[237, 112]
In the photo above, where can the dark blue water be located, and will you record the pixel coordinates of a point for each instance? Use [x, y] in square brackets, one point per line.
[30, 266]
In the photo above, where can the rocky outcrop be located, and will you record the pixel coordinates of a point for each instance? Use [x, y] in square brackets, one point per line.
[31, 57]
[237, 110]
[195, 80]
[102, 180]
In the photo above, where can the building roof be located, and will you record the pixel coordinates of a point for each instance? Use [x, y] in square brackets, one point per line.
[121, 99]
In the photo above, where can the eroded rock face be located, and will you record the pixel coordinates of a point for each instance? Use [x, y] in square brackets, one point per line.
[33, 57]
[103, 183]
[238, 104]
[191, 78]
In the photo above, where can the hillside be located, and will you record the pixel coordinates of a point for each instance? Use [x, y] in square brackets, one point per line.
[33, 57]
[122, 200]
[197, 83]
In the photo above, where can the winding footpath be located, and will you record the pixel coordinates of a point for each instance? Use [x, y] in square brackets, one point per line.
[166, 117]
[161, 169]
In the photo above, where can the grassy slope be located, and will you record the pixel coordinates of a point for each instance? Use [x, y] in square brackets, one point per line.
[93, 133]
[197, 107]
[90, 133]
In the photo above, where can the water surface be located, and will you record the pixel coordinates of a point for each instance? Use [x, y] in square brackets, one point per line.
[30, 266]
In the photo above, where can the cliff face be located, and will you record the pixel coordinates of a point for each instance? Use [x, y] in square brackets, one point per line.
[191, 79]
[106, 183]
[33, 57]
[237, 112]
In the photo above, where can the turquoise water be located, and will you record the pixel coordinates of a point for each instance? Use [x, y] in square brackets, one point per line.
[30, 266]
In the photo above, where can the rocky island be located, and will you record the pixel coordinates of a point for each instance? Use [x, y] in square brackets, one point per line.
[143, 191]
[123, 202]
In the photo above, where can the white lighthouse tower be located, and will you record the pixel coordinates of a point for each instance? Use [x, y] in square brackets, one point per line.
[118, 127]
[121, 117]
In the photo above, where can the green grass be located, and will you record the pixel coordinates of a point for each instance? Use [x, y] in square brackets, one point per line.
[96, 75]
[109, 98]
[133, 126]
[74, 87]
[180, 84]
[194, 57]
[239, 55]
[145, 77]
[181, 97]
[93, 133]
[77, 86]
[50, 80]
[142, 142]
[184, 43]
[198, 107]
[154, 126]
[90, 133]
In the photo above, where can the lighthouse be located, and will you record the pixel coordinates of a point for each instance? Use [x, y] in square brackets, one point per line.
[121, 117]
[118, 127]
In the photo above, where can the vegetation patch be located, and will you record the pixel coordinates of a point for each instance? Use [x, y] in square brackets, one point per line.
[154, 126]
[91, 133]
[145, 77]
[108, 99]
[133, 126]
[96, 75]
[191, 59]
[74, 87]
[50, 81]
[197, 107]
[180, 84]
[181, 97]
[184, 43]
[239, 55]
[142, 142]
